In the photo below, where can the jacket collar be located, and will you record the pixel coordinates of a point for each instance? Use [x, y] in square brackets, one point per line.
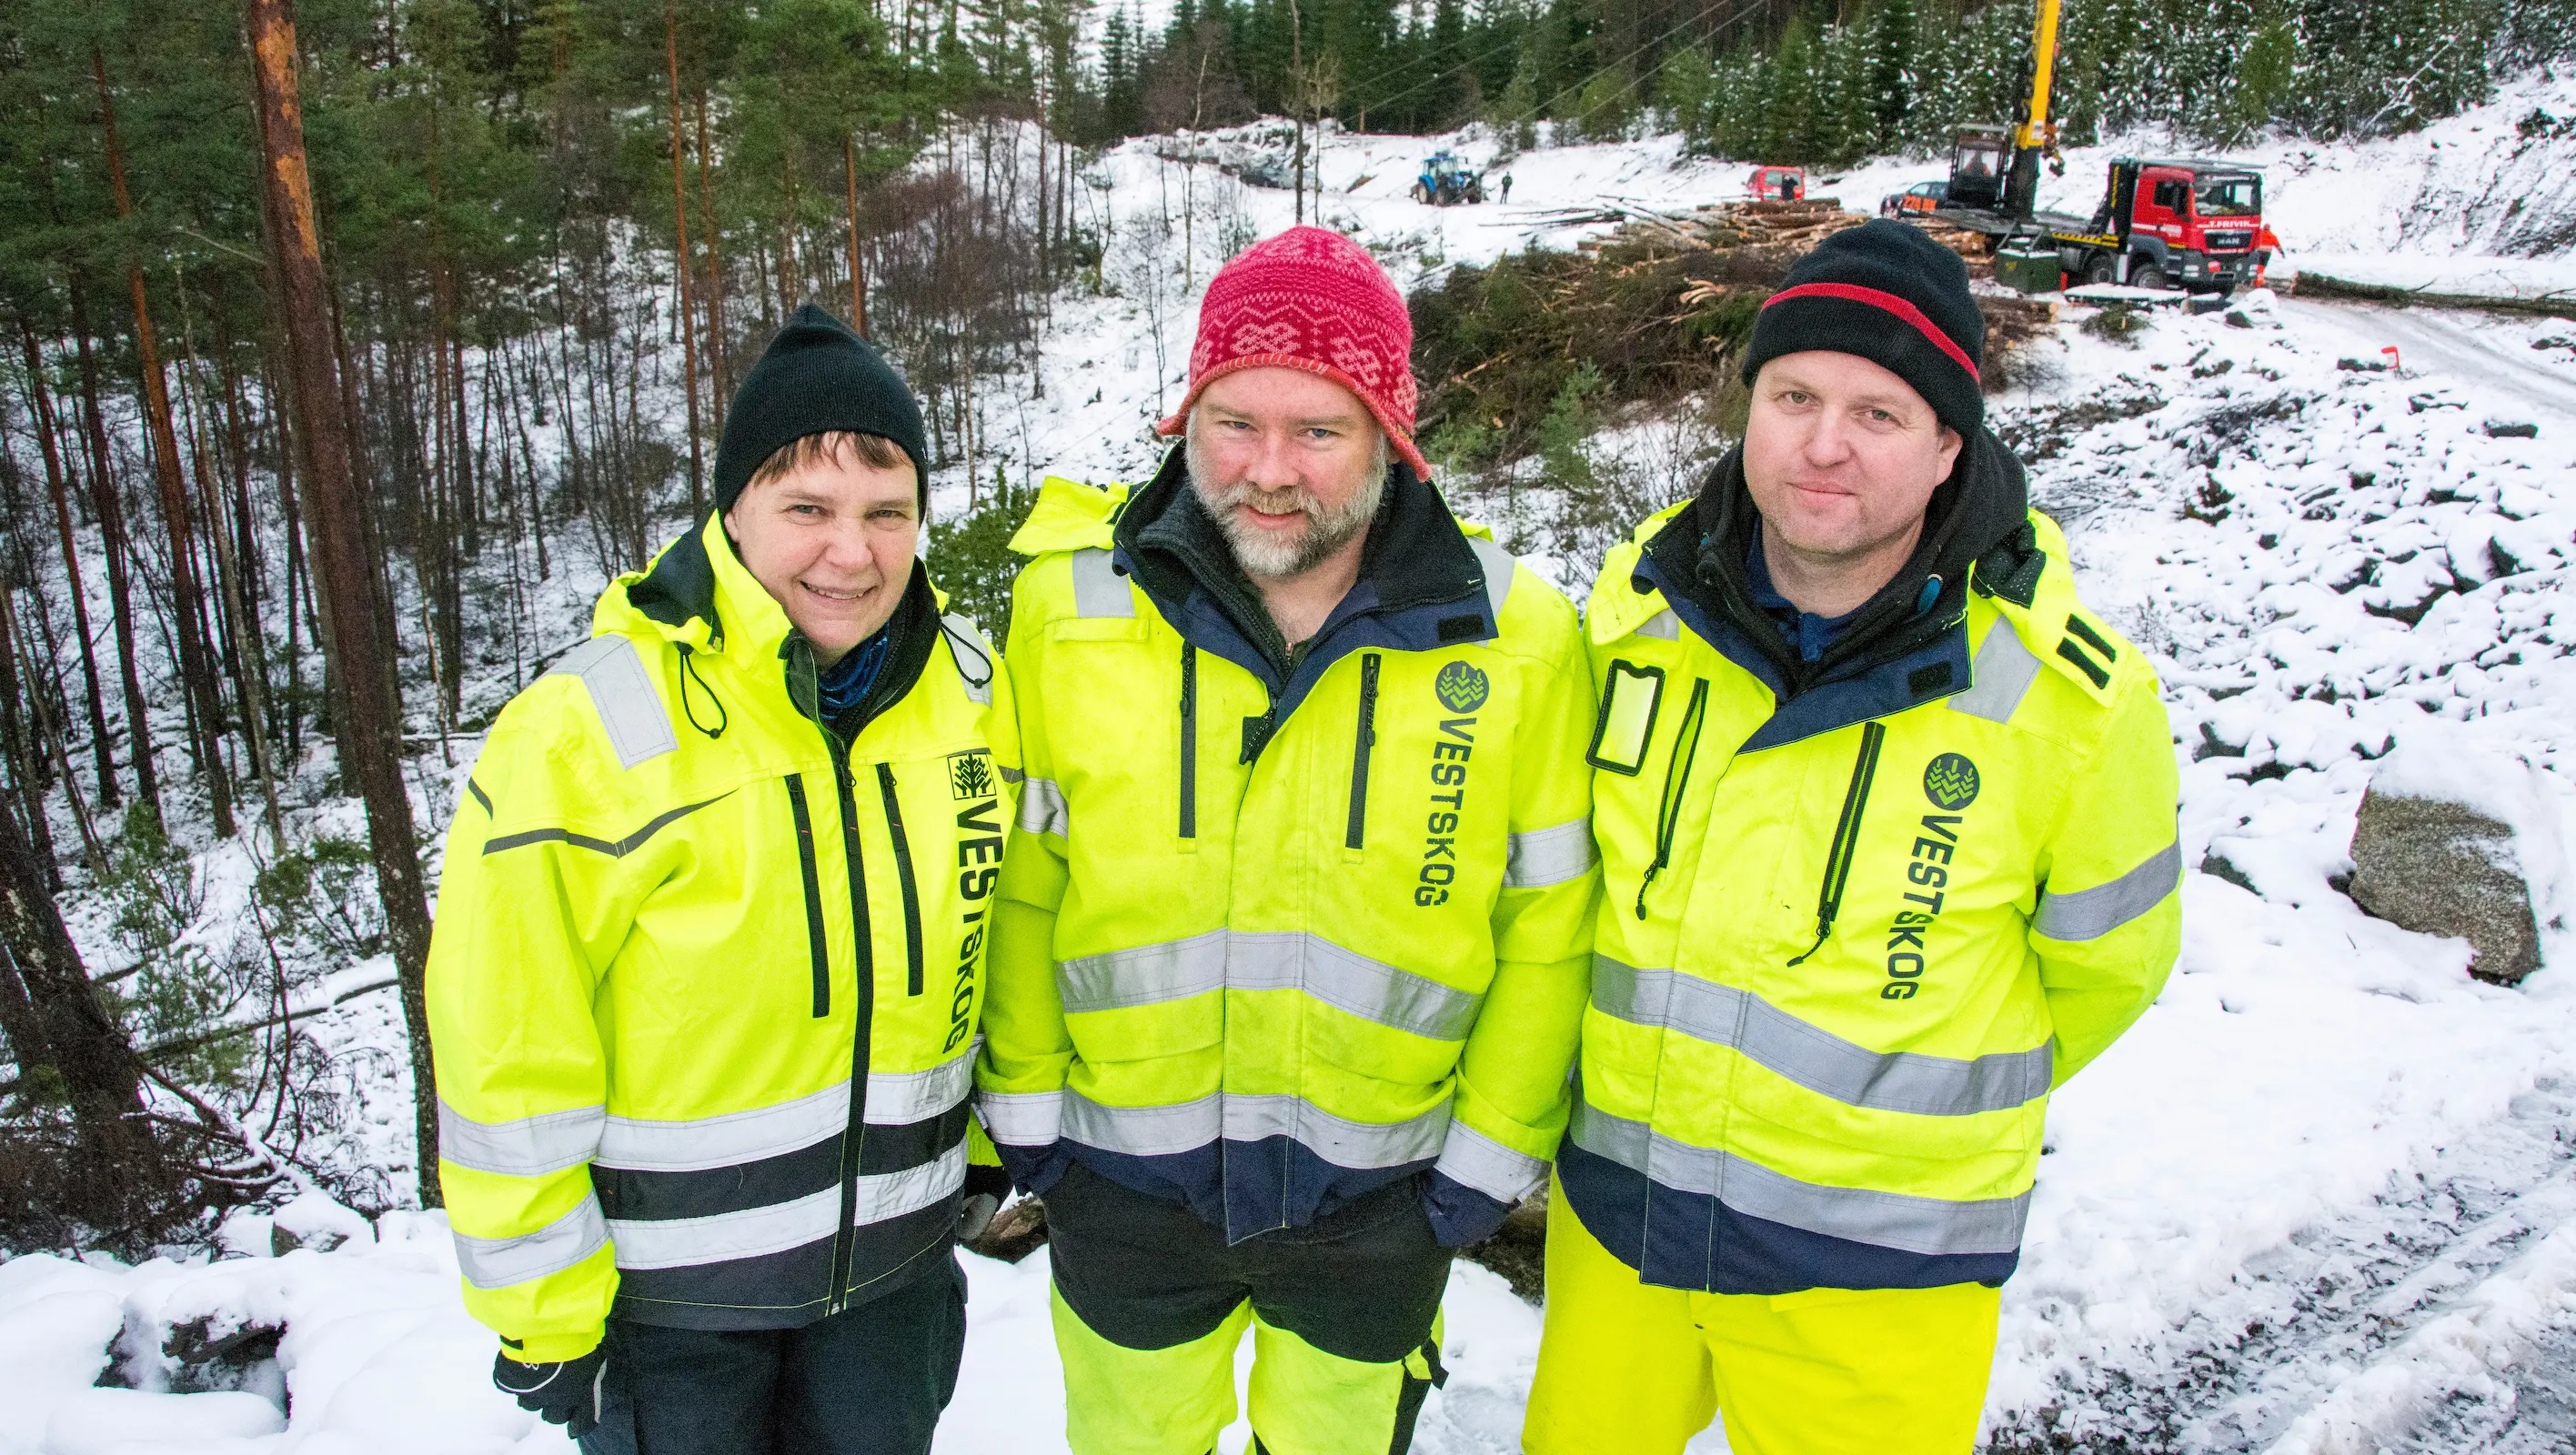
[700, 597]
[1415, 554]
[1420, 586]
[1974, 519]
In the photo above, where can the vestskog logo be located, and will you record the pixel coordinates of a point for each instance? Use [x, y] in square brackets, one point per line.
[1951, 782]
[1462, 688]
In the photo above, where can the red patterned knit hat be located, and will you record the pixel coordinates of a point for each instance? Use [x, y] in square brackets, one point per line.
[1312, 300]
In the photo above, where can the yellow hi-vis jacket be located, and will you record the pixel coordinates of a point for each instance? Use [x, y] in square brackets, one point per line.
[1277, 930]
[681, 919]
[1850, 941]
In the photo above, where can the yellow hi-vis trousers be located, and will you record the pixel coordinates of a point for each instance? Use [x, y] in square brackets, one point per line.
[1151, 1304]
[1628, 1369]
[1121, 1401]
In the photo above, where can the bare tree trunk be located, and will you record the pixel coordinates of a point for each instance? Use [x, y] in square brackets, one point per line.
[20, 741]
[249, 684]
[680, 257]
[719, 371]
[858, 269]
[331, 500]
[110, 510]
[64, 1040]
[196, 677]
[42, 407]
[1296, 96]
[789, 291]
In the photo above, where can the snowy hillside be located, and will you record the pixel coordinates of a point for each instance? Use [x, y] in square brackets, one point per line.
[2479, 203]
[2321, 1199]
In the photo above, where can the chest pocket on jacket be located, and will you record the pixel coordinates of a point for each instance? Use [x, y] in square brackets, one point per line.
[1626, 723]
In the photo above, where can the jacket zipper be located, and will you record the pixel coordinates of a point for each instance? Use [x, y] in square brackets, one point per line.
[1360, 745]
[1676, 777]
[1189, 740]
[815, 942]
[1838, 859]
[863, 950]
[903, 872]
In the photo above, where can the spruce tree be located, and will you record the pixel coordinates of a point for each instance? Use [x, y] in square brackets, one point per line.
[1891, 72]
[1789, 100]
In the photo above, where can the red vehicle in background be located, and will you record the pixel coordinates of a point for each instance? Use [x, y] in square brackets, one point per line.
[1777, 184]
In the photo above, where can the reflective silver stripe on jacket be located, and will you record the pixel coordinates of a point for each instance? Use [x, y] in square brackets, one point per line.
[528, 1147]
[719, 1237]
[1098, 589]
[1144, 975]
[1543, 857]
[1898, 1220]
[1815, 1058]
[639, 727]
[975, 676]
[1268, 960]
[1020, 1118]
[704, 1143]
[2003, 672]
[2089, 914]
[1160, 1131]
[561, 1244]
[1488, 1166]
[1663, 625]
[1369, 989]
[899, 1098]
[1042, 808]
[1498, 564]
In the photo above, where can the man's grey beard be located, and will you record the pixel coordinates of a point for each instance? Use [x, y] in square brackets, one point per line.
[1327, 531]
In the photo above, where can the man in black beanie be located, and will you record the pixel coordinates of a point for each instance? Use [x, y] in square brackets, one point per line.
[709, 962]
[1886, 822]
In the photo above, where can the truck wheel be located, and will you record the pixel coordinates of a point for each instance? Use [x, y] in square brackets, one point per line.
[2101, 270]
[2147, 275]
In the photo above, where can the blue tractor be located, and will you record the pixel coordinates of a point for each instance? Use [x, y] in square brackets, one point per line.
[1446, 181]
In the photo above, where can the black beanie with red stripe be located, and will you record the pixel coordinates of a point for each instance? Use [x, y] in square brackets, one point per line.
[1887, 292]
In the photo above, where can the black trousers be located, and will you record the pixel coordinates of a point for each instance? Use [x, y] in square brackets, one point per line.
[1362, 1283]
[868, 1381]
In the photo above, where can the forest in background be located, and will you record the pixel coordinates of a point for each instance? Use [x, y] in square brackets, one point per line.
[292, 445]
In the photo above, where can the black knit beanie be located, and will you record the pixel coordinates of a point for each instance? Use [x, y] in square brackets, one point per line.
[1887, 292]
[817, 376]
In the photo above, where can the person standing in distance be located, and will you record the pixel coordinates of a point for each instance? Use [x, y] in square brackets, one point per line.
[1290, 953]
[708, 963]
[1887, 821]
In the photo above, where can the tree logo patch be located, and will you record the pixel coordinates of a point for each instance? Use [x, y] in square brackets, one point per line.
[970, 775]
[1951, 782]
[1462, 688]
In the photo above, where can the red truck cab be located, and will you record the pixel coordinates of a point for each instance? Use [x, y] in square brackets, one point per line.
[2184, 222]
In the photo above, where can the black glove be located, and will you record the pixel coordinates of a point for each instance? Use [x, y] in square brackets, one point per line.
[564, 1394]
[987, 1188]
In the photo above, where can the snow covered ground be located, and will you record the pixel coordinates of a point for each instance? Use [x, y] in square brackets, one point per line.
[2320, 1200]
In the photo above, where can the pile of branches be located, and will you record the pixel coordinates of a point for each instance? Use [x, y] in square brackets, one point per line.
[1661, 308]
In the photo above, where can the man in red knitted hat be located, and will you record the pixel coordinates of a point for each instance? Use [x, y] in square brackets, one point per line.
[1292, 939]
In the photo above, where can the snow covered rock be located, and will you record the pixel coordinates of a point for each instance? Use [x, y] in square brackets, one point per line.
[2447, 844]
[312, 1220]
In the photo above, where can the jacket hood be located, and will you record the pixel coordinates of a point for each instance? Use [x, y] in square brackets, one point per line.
[1070, 516]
